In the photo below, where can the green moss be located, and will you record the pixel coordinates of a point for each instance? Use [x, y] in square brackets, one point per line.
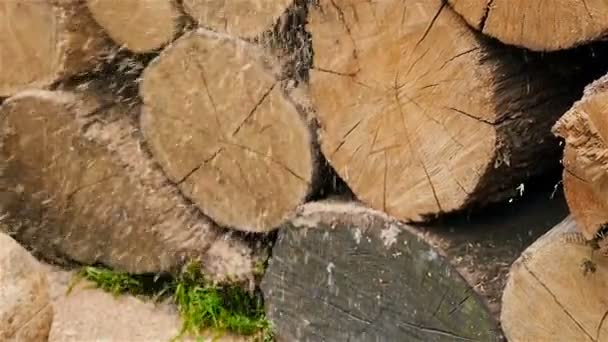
[202, 305]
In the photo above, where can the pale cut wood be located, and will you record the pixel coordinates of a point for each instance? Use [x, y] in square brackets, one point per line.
[537, 25]
[340, 271]
[586, 197]
[550, 297]
[585, 131]
[26, 311]
[243, 18]
[138, 25]
[76, 185]
[45, 41]
[421, 117]
[221, 126]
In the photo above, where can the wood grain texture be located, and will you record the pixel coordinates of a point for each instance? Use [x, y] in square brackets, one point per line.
[549, 297]
[537, 25]
[245, 153]
[420, 116]
[482, 247]
[138, 25]
[77, 185]
[584, 129]
[340, 271]
[243, 18]
[46, 41]
[363, 277]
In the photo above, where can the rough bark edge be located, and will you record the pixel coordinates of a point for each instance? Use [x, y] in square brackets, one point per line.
[584, 147]
[589, 148]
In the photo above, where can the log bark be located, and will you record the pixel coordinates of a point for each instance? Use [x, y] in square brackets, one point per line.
[420, 116]
[221, 125]
[77, 185]
[45, 41]
[140, 26]
[244, 19]
[340, 271]
[584, 129]
[538, 26]
[556, 290]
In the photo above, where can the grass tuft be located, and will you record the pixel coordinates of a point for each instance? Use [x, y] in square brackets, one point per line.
[222, 308]
[202, 305]
[114, 282]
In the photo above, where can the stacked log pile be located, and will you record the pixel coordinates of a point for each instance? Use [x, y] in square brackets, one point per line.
[405, 152]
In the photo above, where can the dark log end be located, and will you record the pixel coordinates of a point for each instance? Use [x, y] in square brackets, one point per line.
[343, 272]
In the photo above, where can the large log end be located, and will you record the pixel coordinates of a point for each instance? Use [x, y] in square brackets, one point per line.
[340, 271]
[245, 154]
[421, 117]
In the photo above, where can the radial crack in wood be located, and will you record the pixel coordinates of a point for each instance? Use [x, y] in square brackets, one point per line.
[45, 41]
[419, 116]
[76, 185]
[584, 129]
[245, 18]
[245, 153]
[556, 291]
[138, 25]
[537, 25]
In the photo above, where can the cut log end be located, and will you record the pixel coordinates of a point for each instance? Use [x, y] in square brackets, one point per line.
[584, 129]
[140, 26]
[244, 19]
[244, 153]
[533, 24]
[343, 272]
[555, 290]
[76, 186]
[373, 150]
[424, 118]
[43, 41]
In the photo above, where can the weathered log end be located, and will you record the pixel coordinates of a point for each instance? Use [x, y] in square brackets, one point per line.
[341, 271]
